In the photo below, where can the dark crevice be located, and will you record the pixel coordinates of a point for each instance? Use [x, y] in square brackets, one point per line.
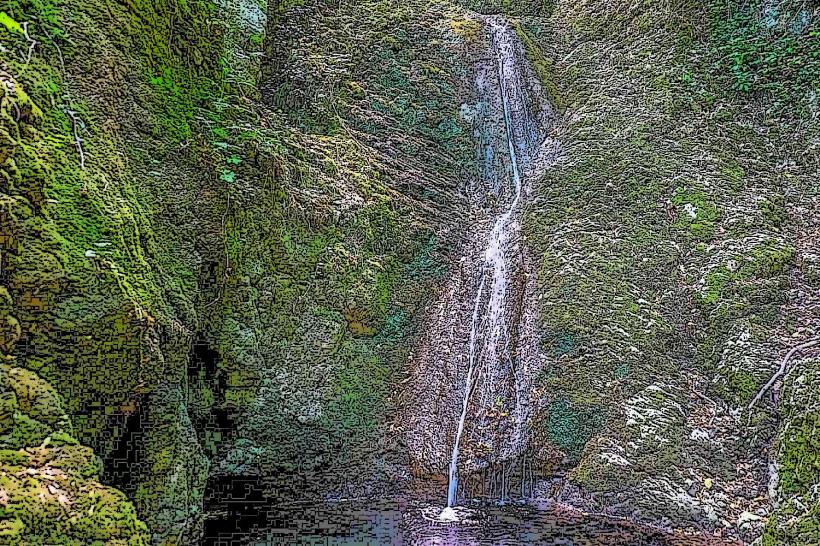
[238, 506]
[203, 359]
[126, 462]
[213, 422]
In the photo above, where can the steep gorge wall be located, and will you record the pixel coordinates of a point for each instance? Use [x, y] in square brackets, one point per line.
[99, 101]
[178, 256]
[677, 260]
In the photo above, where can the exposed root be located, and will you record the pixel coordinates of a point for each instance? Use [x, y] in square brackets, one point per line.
[782, 370]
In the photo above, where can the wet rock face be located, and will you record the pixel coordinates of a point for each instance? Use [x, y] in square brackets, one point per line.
[473, 369]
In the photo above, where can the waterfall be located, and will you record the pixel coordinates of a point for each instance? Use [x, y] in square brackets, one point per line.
[477, 359]
[453, 477]
[495, 269]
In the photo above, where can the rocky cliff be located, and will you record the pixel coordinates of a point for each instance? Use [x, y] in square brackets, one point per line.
[224, 221]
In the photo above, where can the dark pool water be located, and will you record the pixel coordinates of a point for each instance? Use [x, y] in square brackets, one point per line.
[389, 522]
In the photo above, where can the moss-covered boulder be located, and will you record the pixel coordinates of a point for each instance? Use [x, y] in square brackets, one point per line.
[796, 519]
[49, 494]
[50, 491]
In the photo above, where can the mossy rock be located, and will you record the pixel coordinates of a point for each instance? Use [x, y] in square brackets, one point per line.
[51, 496]
[24, 432]
[49, 484]
[10, 332]
[35, 397]
[8, 408]
[793, 525]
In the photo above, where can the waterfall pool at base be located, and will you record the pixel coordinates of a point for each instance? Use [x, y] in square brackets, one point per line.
[401, 522]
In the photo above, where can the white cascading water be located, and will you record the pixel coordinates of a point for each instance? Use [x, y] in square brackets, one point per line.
[495, 270]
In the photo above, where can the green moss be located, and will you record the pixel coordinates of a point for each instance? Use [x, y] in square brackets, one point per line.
[716, 283]
[13, 457]
[25, 432]
[774, 211]
[734, 175]
[34, 396]
[49, 482]
[538, 8]
[38, 506]
[11, 530]
[90, 269]
[543, 66]
[570, 427]
[742, 386]
[696, 212]
[10, 24]
[361, 388]
[560, 343]
[792, 525]
[800, 456]
[769, 260]
[467, 29]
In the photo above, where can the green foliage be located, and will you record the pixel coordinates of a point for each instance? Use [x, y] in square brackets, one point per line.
[767, 47]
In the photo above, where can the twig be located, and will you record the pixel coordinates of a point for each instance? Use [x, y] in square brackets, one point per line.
[782, 370]
[32, 43]
[77, 125]
[59, 51]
